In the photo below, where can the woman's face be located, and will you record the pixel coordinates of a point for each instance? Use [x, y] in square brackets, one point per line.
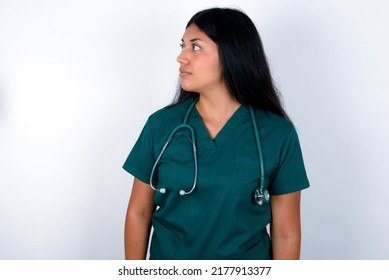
[200, 69]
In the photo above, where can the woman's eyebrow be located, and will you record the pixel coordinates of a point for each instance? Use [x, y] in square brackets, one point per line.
[194, 40]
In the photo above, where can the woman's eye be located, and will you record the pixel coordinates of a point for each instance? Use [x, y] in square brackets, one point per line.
[194, 47]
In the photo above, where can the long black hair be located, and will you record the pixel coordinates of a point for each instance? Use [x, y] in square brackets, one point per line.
[243, 60]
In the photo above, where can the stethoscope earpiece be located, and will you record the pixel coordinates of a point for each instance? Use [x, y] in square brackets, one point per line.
[162, 190]
[182, 192]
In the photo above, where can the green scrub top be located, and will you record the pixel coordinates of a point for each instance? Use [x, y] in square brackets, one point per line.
[219, 219]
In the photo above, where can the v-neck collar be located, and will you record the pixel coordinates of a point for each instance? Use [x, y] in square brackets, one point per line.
[224, 134]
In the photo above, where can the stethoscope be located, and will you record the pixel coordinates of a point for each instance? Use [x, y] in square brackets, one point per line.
[261, 195]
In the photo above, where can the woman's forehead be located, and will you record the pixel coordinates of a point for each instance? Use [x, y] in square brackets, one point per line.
[193, 33]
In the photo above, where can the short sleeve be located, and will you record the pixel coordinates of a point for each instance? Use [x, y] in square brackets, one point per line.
[290, 175]
[140, 161]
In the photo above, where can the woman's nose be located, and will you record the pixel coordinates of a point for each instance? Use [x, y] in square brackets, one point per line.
[183, 58]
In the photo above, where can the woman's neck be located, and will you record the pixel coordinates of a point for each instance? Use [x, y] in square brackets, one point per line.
[215, 111]
[217, 107]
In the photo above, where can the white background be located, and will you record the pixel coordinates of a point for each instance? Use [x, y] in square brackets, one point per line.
[79, 78]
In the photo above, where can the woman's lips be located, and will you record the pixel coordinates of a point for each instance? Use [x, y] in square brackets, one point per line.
[184, 73]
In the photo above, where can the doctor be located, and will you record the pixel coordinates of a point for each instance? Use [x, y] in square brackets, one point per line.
[205, 166]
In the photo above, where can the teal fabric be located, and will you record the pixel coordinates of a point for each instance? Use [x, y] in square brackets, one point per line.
[220, 219]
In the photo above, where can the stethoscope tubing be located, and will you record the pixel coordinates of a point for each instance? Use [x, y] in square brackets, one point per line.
[259, 148]
[192, 139]
[259, 195]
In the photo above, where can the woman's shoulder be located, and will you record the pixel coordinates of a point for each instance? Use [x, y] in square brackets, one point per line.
[270, 119]
[276, 127]
[170, 114]
[277, 130]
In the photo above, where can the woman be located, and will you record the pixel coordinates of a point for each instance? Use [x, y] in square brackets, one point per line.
[207, 199]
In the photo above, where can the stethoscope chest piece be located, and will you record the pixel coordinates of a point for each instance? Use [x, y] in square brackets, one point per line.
[261, 196]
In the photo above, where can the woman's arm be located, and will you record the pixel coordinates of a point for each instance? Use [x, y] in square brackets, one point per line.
[138, 221]
[285, 228]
